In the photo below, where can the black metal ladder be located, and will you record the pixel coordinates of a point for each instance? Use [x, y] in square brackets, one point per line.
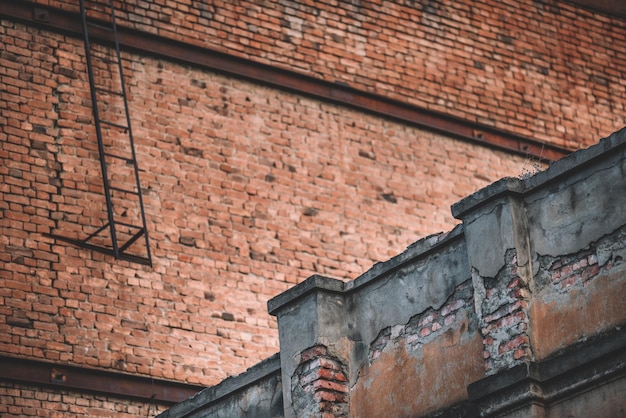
[127, 236]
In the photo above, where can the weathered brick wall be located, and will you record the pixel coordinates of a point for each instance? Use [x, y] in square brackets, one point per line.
[19, 400]
[545, 69]
[320, 384]
[247, 189]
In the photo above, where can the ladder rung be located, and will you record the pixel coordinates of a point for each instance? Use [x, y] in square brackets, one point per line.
[132, 240]
[128, 225]
[119, 157]
[99, 25]
[117, 189]
[115, 93]
[102, 228]
[117, 125]
[105, 60]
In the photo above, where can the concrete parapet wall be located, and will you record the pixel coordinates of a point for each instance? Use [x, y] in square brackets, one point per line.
[412, 313]
[517, 312]
[254, 393]
[563, 231]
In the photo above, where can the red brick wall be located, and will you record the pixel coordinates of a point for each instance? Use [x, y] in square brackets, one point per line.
[248, 190]
[19, 400]
[504, 312]
[547, 70]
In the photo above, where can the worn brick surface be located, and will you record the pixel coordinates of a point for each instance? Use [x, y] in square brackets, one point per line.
[548, 70]
[20, 400]
[320, 385]
[504, 317]
[247, 190]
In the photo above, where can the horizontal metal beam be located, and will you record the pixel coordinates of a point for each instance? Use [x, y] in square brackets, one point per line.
[83, 243]
[95, 381]
[69, 23]
[615, 8]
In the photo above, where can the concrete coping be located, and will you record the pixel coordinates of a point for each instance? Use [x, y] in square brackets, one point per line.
[225, 388]
[311, 284]
[317, 283]
[419, 249]
[525, 185]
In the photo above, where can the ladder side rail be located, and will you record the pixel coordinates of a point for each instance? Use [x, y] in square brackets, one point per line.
[130, 133]
[94, 104]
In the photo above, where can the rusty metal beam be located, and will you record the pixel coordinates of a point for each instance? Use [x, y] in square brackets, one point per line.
[615, 8]
[95, 381]
[69, 23]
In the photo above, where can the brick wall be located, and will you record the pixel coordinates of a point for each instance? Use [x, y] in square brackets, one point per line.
[503, 312]
[247, 189]
[544, 69]
[320, 384]
[20, 400]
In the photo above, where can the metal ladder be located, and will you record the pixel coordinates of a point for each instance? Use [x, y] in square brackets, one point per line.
[127, 237]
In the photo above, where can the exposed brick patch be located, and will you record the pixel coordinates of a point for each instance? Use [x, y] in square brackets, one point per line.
[19, 400]
[505, 306]
[573, 271]
[425, 326]
[320, 385]
[504, 317]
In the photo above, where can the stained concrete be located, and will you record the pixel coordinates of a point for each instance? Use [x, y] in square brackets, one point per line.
[254, 393]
